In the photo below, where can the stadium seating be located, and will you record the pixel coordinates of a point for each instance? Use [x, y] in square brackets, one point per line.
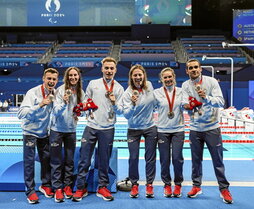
[26, 53]
[137, 51]
[88, 50]
[197, 46]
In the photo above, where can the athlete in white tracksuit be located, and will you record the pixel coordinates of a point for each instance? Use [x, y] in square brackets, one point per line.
[63, 132]
[204, 126]
[138, 107]
[106, 94]
[35, 113]
[170, 131]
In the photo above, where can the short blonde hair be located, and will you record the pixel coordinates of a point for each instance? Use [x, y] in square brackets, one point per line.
[170, 70]
[50, 70]
[108, 59]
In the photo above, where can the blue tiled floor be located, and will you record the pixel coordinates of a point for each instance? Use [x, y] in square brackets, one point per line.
[209, 199]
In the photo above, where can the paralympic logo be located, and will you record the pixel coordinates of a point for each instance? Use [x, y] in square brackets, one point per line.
[52, 8]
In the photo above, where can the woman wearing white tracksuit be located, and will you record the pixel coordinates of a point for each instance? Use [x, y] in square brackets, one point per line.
[170, 131]
[138, 107]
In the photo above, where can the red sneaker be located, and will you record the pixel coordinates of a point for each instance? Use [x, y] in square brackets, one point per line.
[177, 191]
[226, 196]
[59, 196]
[33, 198]
[67, 192]
[149, 191]
[195, 191]
[134, 191]
[47, 191]
[105, 194]
[79, 194]
[167, 191]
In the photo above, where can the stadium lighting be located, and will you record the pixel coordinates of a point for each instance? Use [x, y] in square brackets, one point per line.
[209, 66]
[225, 44]
[232, 73]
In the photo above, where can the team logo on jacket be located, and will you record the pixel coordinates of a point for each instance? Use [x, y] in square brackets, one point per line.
[161, 141]
[54, 144]
[30, 144]
[83, 140]
[130, 140]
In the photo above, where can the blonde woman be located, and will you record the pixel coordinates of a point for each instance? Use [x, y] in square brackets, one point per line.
[170, 131]
[138, 107]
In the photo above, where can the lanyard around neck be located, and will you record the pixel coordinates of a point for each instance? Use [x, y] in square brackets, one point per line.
[170, 104]
[106, 86]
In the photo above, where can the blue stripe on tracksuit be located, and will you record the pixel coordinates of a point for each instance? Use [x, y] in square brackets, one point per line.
[204, 128]
[29, 144]
[168, 142]
[62, 167]
[170, 134]
[134, 136]
[105, 144]
[63, 132]
[140, 123]
[35, 124]
[99, 129]
[213, 141]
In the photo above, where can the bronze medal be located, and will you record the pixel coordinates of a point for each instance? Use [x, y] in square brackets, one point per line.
[51, 97]
[135, 93]
[109, 91]
[171, 115]
[198, 87]
[68, 92]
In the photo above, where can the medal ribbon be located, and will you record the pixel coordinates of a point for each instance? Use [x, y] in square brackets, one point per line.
[43, 92]
[140, 90]
[106, 86]
[200, 82]
[170, 104]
